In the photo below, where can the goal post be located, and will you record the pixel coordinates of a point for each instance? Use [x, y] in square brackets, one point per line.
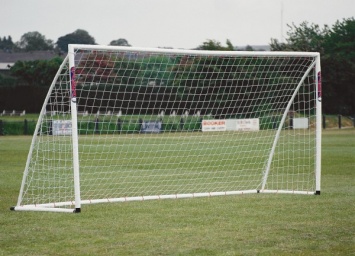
[125, 124]
[74, 129]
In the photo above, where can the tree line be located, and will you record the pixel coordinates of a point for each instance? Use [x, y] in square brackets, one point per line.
[35, 41]
[223, 86]
[336, 45]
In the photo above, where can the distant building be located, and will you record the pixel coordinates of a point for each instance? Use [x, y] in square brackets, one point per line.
[8, 58]
[255, 47]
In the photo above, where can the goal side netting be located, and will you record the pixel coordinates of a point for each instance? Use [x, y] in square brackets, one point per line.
[123, 123]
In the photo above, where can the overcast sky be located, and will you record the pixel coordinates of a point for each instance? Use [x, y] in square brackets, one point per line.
[168, 23]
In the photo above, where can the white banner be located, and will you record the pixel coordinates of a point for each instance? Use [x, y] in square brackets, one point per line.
[251, 124]
[300, 123]
[151, 126]
[61, 127]
[215, 125]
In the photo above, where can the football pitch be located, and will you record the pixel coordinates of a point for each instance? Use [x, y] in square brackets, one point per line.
[141, 166]
[229, 225]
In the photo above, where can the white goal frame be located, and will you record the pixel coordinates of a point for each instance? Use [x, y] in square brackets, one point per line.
[75, 204]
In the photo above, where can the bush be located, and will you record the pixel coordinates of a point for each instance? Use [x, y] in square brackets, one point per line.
[17, 127]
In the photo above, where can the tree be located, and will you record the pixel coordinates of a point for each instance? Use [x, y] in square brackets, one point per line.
[306, 37]
[341, 39]
[230, 46]
[120, 42]
[336, 45]
[249, 48]
[213, 45]
[79, 36]
[34, 41]
[37, 72]
[338, 67]
[7, 44]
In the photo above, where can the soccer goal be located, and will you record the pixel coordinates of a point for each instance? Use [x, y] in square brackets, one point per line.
[125, 124]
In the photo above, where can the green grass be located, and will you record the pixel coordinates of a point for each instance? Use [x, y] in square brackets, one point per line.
[30, 117]
[232, 225]
[132, 165]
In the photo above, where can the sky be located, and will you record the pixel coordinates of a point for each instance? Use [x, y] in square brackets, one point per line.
[169, 23]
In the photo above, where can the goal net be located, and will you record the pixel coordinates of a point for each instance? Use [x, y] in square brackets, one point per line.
[122, 124]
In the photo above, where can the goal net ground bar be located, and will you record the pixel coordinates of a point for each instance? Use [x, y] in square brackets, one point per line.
[53, 206]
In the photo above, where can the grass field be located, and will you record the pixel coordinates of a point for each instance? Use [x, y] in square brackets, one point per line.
[129, 166]
[255, 224]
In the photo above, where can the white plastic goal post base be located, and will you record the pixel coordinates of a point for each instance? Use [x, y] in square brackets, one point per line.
[43, 209]
[290, 192]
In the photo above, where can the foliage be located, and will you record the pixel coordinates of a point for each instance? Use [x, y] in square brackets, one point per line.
[336, 45]
[249, 48]
[6, 44]
[307, 37]
[212, 77]
[79, 36]
[97, 68]
[24, 127]
[213, 45]
[339, 68]
[120, 42]
[34, 41]
[175, 82]
[37, 72]
[6, 80]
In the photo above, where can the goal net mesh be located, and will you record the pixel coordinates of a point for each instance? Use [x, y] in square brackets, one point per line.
[154, 123]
